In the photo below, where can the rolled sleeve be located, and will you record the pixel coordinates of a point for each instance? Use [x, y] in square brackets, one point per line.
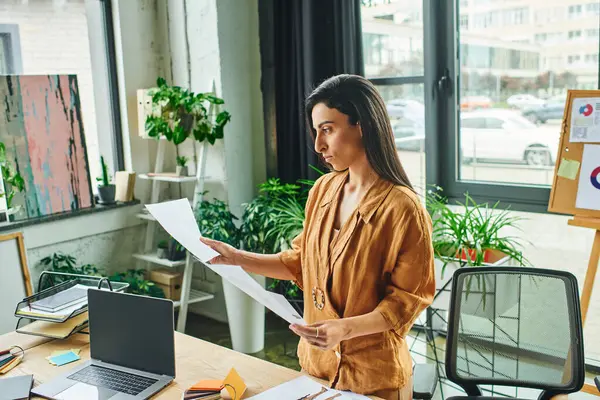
[411, 285]
[292, 259]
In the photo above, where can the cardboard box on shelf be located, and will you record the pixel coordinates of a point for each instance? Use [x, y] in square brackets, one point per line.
[168, 281]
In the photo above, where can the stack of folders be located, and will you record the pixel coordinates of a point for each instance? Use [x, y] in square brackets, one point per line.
[204, 390]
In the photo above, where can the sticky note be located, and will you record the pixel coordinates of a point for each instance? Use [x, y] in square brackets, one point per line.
[64, 358]
[568, 168]
[234, 384]
[60, 352]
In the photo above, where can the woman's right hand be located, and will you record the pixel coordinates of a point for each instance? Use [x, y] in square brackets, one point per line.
[228, 253]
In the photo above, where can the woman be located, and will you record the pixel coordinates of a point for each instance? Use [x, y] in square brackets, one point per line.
[364, 258]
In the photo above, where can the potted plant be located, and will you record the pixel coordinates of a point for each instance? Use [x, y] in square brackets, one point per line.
[183, 113]
[473, 235]
[162, 248]
[106, 190]
[175, 251]
[181, 169]
[11, 182]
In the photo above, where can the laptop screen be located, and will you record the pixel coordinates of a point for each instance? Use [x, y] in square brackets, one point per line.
[132, 331]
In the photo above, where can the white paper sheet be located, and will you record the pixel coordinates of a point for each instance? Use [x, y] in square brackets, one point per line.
[177, 218]
[588, 191]
[302, 386]
[585, 120]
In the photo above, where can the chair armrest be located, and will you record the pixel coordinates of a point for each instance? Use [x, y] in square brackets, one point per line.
[425, 378]
[597, 380]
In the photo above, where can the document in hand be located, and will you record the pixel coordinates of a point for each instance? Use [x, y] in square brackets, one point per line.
[177, 218]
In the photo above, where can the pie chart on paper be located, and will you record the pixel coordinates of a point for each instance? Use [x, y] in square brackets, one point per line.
[588, 190]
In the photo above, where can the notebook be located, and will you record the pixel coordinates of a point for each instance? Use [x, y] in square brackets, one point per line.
[16, 388]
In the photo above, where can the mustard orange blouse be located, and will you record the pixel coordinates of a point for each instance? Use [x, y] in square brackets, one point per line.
[381, 259]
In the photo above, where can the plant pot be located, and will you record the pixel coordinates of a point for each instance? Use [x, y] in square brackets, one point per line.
[175, 254]
[106, 194]
[246, 318]
[181, 171]
[161, 252]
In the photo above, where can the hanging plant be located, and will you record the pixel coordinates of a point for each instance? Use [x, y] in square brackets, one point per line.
[183, 114]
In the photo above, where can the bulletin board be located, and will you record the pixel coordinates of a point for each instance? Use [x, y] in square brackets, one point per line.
[573, 190]
[15, 284]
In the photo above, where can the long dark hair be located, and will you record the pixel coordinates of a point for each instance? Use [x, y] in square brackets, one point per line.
[356, 97]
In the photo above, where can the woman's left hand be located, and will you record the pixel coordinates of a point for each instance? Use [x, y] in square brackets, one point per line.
[324, 334]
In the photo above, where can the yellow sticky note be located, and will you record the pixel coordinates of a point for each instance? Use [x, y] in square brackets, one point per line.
[234, 385]
[568, 168]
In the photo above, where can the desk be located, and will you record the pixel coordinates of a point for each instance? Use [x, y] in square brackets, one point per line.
[195, 359]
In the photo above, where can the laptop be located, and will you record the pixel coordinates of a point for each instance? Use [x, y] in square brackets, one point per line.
[132, 346]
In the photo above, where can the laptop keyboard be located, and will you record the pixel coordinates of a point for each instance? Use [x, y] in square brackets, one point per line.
[112, 379]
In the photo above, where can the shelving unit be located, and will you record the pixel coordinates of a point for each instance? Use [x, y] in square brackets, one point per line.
[147, 255]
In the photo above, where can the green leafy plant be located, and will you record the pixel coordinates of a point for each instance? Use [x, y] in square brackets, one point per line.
[13, 181]
[138, 284]
[60, 262]
[182, 161]
[471, 234]
[105, 179]
[182, 114]
[215, 221]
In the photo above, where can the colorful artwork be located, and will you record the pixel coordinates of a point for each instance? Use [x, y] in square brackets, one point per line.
[41, 126]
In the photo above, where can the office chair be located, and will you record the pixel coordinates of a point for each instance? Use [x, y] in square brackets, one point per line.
[517, 327]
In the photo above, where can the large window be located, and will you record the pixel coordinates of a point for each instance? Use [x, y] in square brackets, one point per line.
[67, 37]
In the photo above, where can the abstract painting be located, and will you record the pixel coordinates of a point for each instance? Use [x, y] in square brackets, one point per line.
[41, 127]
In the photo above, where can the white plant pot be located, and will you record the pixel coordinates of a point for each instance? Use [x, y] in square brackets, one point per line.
[246, 318]
[181, 171]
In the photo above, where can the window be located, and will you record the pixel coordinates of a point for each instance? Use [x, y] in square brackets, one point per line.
[593, 33]
[575, 11]
[464, 22]
[593, 8]
[399, 78]
[494, 130]
[574, 34]
[10, 50]
[53, 37]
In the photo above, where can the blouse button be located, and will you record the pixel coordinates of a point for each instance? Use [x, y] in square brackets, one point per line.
[338, 355]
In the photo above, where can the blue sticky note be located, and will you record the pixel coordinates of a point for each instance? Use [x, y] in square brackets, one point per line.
[64, 358]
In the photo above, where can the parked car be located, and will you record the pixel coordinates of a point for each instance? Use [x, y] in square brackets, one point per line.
[523, 101]
[553, 109]
[398, 108]
[504, 135]
[475, 102]
[409, 133]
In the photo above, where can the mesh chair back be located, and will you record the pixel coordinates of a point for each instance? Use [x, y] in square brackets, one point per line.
[517, 327]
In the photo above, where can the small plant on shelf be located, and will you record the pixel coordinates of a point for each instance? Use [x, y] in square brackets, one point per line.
[182, 166]
[106, 190]
[162, 249]
[13, 181]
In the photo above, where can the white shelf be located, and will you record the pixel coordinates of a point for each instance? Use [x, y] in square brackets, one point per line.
[161, 178]
[146, 216]
[160, 261]
[196, 296]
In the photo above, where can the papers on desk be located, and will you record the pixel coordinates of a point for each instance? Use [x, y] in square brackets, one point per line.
[177, 218]
[304, 387]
